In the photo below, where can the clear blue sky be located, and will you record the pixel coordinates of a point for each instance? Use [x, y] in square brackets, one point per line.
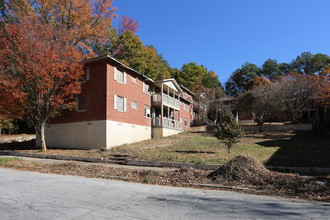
[222, 35]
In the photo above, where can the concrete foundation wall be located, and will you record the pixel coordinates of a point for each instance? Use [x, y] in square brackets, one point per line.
[82, 135]
[119, 133]
[163, 132]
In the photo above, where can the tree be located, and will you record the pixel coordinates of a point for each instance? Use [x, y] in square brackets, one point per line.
[309, 63]
[256, 81]
[127, 23]
[210, 80]
[264, 101]
[323, 87]
[129, 49]
[190, 74]
[85, 21]
[229, 132]
[38, 71]
[239, 78]
[271, 68]
[298, 90]
[204, 102]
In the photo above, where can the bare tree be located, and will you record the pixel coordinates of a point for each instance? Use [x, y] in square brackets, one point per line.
[264, 101]
[298, 91]
[205, 103]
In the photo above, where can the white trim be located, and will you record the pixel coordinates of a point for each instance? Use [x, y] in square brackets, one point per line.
[125, 78]
[115, 73]
[115, 102]
[125, 105]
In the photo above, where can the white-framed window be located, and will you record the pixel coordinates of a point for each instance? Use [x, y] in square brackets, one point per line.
[134, 104]
[119, 76]
[147, 112]
[185, 122]
[120, 103]
[146, 88]
[81, 103]
[180, 119]
[185, 107]
[191, 111]
[133, 79]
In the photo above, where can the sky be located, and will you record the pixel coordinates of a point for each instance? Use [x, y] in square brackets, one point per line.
[223, 35]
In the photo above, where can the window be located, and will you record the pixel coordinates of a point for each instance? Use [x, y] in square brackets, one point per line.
[185, 107]
[81, 103]
[186, 123]
[191, 111]
[85, 76]
[87, 73]
[119, 76]
[119, 103]
[180, 119]
[133, 79]
[134, 104]
[147, 112]
[146, 88]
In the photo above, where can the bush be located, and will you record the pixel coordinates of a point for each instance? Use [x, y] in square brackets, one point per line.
[229, 132]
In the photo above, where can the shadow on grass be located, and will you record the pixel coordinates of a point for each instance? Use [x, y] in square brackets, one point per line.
[300, 150]
[24, 145]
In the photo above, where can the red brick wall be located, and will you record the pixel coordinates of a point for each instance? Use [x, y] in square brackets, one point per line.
[132, 92]
[95, 90]
[185, 115]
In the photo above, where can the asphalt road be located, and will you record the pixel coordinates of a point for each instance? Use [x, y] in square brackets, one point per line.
[29, 195]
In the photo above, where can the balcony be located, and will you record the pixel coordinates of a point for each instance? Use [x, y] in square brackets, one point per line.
[166, 123]
[167, 100]
[227, 107]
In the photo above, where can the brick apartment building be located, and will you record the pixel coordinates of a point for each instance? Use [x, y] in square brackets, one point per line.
[119, 105]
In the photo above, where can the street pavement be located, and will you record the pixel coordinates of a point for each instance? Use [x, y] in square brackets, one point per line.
[30, 195]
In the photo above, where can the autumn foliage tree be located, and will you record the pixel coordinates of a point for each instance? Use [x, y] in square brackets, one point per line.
[38, 71]
[85, 21]
[127, 23]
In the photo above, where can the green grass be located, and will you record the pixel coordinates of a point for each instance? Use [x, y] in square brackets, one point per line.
[8, 159]
[271, 148]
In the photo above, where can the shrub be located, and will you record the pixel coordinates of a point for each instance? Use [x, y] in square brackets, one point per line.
[229, 132]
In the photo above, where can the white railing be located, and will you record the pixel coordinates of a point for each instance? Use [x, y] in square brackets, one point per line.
[227, 107]
[167, 100]
[166, 123]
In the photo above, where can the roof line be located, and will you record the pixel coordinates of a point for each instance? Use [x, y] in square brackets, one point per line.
[118, 62]
[188, 90]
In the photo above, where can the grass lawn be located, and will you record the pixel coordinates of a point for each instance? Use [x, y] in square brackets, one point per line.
[272, 148]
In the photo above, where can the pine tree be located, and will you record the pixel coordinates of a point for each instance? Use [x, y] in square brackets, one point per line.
[229, 132]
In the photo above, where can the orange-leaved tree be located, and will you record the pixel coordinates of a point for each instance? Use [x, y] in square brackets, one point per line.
[323, 86]
[86, 21]
[39, 69]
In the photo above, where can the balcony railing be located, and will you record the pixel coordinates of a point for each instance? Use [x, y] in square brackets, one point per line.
[167, 100]
[227, 107]
[166, 123]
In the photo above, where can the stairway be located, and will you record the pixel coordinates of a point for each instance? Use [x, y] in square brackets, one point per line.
[116, 159]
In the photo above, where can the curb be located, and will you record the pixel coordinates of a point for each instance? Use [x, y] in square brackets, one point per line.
[172, 164]
[54, 157]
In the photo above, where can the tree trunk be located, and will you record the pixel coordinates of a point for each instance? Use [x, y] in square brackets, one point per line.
[42, 137]
[261, 127]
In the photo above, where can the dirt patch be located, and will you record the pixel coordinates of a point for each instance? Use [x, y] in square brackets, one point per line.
[247, 171]
[243, 169]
